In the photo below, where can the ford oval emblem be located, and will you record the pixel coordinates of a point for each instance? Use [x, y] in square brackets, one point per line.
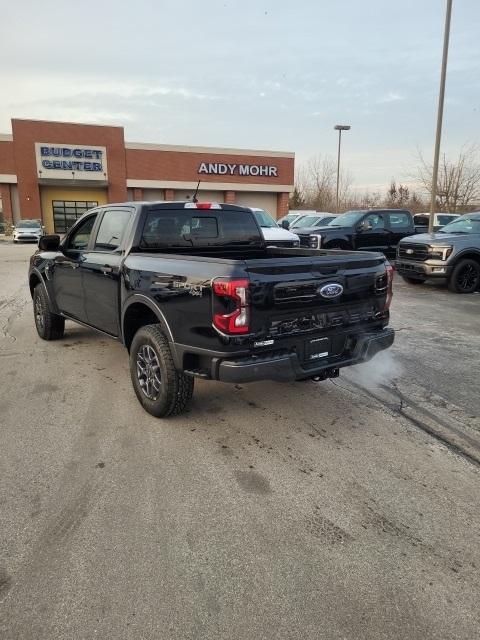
[331, 290]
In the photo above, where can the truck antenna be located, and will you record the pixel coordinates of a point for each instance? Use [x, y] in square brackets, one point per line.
[194, 198]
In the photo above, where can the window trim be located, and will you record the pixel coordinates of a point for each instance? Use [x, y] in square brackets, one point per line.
[121, 246]
[66, 241]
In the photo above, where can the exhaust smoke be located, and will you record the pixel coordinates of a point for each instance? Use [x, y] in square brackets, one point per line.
[382, 370]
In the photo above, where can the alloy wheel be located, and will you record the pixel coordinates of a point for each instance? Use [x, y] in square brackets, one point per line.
[148, 371]
[467, 277]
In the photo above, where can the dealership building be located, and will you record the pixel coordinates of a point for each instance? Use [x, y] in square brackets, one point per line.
[55, 171]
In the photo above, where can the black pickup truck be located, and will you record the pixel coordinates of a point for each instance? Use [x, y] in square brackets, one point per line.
[366, 230]
[192, 291]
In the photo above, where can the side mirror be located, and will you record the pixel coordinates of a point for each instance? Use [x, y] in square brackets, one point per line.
[285, 224]
[49, 243]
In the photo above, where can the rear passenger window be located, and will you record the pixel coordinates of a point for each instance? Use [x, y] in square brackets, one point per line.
[169, 228]
[112, 228]
[400, 221]
[204, 228]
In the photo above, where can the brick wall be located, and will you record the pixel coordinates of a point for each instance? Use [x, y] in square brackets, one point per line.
[27, 132]
[6, 202]
[7, 158]
[282, 204]
[153, 164]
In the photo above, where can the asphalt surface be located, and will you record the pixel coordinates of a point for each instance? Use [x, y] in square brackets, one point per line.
[337, 510]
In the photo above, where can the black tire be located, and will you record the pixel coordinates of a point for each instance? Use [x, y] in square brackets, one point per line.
[160, 388]
[413, 280]
[465, 277]
[50, 326]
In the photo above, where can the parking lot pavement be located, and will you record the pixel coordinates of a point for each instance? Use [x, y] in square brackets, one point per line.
[346, 509]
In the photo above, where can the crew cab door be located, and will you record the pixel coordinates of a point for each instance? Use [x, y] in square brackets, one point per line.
[101, 269]
[67, 270]
[372, 233]
[401, 225]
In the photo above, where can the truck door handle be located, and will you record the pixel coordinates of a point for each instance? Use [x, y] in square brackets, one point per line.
[106, 269]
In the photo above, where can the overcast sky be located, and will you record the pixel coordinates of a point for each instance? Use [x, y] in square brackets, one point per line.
[266, 74]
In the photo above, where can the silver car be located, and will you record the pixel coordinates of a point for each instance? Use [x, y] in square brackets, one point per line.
[27, 230]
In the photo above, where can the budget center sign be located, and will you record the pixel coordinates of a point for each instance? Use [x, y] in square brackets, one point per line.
[71, 162]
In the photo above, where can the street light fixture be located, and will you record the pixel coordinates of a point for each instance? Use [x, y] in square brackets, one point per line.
[441, 97]
[339, 128]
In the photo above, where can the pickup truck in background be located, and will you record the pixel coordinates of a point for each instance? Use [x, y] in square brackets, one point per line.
[366, 230]
[452, 253]
[274, 235]
[192, 291]
[421, 221]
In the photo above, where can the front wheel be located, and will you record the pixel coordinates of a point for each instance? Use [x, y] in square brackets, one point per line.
[50, 326]
[161, 389]
[465, 277]
[413, 280]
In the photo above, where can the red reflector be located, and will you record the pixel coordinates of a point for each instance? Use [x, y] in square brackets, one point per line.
[203, 205]
[228, 293]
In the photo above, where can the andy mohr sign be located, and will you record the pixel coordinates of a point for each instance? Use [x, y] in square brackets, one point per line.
[226, 169]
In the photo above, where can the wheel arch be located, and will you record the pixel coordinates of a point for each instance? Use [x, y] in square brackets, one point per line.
[138, 312]
[466, 254]
[33, 280]
[343, 243]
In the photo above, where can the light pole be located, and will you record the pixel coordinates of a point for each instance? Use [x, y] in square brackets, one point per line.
[339, 128]
[441, 97]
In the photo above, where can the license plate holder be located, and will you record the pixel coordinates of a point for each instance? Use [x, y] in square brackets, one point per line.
[317, 349]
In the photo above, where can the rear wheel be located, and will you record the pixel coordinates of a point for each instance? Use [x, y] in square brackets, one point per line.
[413, 280]
[465, 277]
[161, 389]
[50, 326]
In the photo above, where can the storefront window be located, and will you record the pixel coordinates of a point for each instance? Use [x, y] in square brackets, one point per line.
[65, 213]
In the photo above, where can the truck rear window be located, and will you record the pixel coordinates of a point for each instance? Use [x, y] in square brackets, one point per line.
[183, 228]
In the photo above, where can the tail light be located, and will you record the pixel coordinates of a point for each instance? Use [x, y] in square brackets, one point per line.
[231, 306]
[389, 269]
[202, 205]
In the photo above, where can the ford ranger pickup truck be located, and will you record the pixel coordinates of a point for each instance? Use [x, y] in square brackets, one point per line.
[192, 291]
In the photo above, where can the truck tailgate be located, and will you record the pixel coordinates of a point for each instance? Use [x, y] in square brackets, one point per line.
[289, 297]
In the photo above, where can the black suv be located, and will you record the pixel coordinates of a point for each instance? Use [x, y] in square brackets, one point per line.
[453, 253]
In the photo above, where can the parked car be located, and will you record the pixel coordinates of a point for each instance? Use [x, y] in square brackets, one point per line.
[274, 235]
[371, 230]
[421, 221]
[27, 230]
[453, 253]
[213, 303]
[292, 217]
[309, 224]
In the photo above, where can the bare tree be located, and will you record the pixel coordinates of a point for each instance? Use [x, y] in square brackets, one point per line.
[458, 184]
[316, 182]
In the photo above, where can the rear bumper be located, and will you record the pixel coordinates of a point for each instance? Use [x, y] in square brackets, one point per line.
[430, 269]
[287, 367]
